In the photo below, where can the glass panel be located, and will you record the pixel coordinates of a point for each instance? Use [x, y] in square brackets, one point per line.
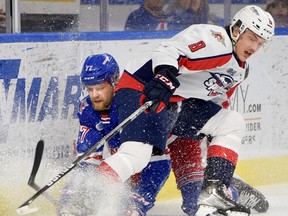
[89, 17]
[49, 15]
[177, 14]
[112, 15]
[279, 11]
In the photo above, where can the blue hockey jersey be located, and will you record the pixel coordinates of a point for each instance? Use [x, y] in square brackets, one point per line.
[94, 125]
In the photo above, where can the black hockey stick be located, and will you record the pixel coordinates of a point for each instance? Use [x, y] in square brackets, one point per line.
[24, 208]
[37, 161]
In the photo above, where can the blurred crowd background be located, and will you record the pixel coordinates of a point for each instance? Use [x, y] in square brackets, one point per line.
[20, 16]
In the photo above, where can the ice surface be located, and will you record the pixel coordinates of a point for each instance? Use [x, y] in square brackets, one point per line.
[277, 196]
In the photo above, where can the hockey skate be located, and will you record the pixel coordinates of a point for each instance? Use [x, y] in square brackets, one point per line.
[214, 199]
[250, 197]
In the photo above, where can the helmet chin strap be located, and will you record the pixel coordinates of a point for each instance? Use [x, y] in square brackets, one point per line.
[234, 38]
[234, 42]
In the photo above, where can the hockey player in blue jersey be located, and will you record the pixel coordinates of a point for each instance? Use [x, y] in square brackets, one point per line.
[97, 116]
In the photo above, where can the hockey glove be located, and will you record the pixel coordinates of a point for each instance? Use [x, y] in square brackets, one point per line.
[160, 89]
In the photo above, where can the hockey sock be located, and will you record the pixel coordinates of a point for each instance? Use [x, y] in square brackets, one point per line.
[105, 170]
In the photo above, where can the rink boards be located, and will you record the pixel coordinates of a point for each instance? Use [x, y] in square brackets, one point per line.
[40, 90]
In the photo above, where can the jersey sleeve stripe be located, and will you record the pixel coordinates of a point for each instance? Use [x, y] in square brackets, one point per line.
[204, 63]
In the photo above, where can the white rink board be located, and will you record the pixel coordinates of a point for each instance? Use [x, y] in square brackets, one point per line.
[55, 67]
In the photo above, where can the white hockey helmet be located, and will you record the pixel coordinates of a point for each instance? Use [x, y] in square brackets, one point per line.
[255, 19]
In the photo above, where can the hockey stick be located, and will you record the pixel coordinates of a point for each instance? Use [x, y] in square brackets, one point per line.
[24, 208]
[36, 165]
[37, 160]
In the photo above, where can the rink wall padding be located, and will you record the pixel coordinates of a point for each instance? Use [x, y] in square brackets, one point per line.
[256, 172]
[39, 97]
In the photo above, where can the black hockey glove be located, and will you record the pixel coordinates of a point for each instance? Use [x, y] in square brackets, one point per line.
[160, 89]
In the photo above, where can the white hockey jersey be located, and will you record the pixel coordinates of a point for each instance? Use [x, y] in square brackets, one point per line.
[207, 67]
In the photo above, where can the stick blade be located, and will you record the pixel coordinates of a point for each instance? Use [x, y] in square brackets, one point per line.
[25, 210]
[37, 161]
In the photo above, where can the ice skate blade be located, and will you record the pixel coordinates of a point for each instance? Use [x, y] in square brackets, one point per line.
[25, 210]
[234, 213]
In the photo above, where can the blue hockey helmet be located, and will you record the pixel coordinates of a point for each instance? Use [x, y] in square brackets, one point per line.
[100, 68]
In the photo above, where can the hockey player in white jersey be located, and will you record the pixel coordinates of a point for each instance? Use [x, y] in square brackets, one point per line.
[188, 77]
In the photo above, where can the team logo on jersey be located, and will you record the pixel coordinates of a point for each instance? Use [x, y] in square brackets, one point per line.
[99, 126]
[218, 35]
[218, 84]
